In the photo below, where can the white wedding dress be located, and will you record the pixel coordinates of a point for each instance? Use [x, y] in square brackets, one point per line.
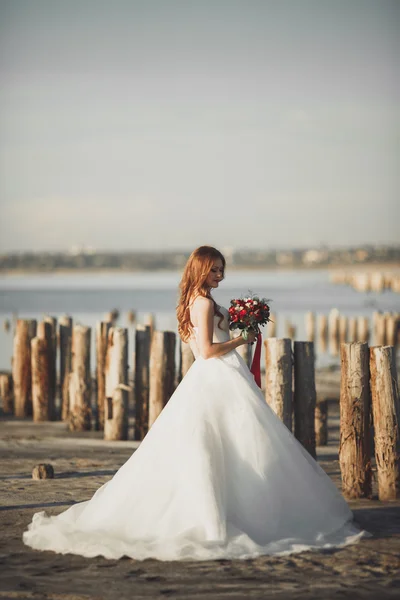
[217, 476]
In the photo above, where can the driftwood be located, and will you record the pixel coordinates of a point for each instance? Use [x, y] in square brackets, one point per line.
[278, 378]
[43, 471]
[354, 449]
[386, 414]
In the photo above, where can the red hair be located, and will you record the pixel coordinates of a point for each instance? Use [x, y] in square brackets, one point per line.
[193, 284]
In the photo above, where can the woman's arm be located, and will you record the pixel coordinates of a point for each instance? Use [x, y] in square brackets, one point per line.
[204, 308]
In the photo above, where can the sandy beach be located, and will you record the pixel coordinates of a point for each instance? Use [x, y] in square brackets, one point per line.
[82, 462]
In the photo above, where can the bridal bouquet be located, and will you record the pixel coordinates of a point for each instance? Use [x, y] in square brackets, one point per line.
[248, 314]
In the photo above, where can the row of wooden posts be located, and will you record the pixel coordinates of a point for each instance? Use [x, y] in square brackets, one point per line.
[331, 330]
[368, 383]
[368, 281]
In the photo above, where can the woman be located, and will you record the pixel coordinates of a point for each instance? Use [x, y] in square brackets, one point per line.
[218, 475]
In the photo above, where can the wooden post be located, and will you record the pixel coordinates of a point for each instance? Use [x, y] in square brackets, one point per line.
[310, 326]
[272, 326]
[392, 325]
[354, 449]
[363, 329]
[162, 372]
[102, 331]
[65, 338]
[386, 414]
[290, 329]
[42, 352]
[52, 321]
[245, 351]
[142, 380]
[80, 413]
[116, 386]
[278, 378]
[333, 324]
[321, 423]
[6, 393]
[25, 331]
[149, 320]
[343, 329]
[353, 335]
[379, 324]
[186, 359]
[322, 332]
[305, 396]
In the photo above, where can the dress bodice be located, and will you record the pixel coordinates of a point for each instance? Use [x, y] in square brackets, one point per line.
[220, 333]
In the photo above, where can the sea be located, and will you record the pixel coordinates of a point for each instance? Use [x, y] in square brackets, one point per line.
[87, 297]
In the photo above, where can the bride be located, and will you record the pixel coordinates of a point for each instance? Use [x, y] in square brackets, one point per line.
[218, 475]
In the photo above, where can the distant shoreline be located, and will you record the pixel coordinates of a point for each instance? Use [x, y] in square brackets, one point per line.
[384, 266]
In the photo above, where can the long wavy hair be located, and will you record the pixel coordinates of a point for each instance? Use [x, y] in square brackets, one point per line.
[193, 284]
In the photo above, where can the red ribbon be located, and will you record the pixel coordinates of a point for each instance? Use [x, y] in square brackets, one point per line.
[255, 365]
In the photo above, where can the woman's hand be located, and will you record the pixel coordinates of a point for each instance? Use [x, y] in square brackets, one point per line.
[251, 337]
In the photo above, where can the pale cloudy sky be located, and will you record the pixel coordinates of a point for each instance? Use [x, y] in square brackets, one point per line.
[148, 124]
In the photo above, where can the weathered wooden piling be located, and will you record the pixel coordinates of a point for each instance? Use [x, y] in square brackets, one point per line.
[245, 352]
[150, 321]
[321, 422]
[131, 317]
[102, 331]
[305, 396]
[162, 372]
[271, 326]
[116, 385]
[43, 392]
[363, 329]
[354, 448]
[142, 380]
[343, 329]
[79, 418]
[310, 326]
[333, 326]
[386, 415]
[392, 327]
[25, 331]
[6, 393]
[353, 334]
[186, 359]
[290, 329]
[278, 378]
[322, 321]
[65, 343]
[379, 328]
[52, 321]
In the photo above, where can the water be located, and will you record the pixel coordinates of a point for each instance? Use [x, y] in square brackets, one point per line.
[88, 296]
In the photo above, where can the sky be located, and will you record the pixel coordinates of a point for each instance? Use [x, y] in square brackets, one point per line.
[167, 124]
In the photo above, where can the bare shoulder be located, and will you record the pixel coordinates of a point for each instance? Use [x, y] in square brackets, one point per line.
[201, 306]
[202, 301]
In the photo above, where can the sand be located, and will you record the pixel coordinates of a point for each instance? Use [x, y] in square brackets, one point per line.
[369, 569]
